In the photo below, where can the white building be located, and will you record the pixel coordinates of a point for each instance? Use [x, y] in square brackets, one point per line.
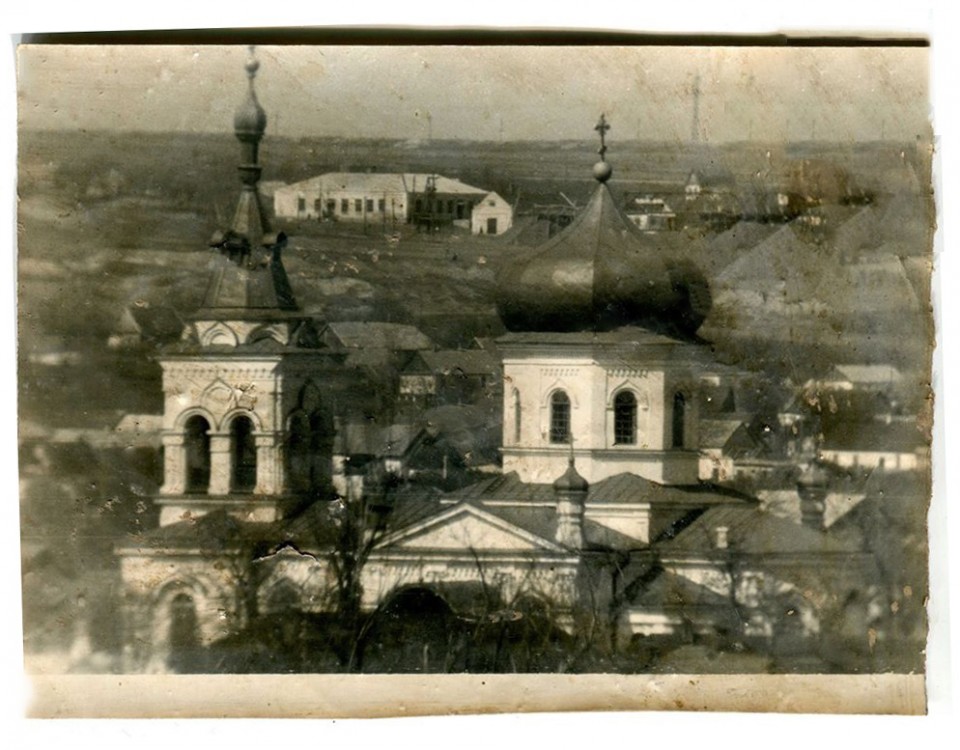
[492, 215]
[378, 198]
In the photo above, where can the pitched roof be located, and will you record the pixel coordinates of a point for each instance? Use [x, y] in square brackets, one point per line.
[671, 591]
[378, 335]
[752, 531]
[152, 322]
[618, 337]
[874, 436]
[460, 361]
[533, 526]
[870, 374]
[715, 433]
[382, 182]
[622, 488]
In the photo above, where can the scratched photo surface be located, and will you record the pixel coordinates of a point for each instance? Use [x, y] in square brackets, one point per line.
[432, 360]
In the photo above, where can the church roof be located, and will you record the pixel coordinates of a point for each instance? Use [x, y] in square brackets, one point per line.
[752, 531]
[599, 273]
[628, 488]
[258, 283]
[619, 336]
[622, 488]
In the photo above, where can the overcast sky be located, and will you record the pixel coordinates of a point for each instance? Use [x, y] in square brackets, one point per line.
[473, 92]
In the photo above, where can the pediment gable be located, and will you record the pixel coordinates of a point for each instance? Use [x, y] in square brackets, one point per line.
[467, 527]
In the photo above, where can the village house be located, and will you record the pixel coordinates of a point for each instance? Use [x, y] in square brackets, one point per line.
[491, 216]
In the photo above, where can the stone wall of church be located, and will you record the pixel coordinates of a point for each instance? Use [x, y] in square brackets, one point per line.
[174, 602]
[531, 443]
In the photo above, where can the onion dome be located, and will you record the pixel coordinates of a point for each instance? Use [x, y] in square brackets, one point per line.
[247, 277]
[250, 119]
[571, 481]
[600, 273]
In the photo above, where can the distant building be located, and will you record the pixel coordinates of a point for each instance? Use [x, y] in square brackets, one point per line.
[380, 198]
[651, 214]
[449, 376]
[692, 188]
[850, 377]
[492, 215]
[375, 335]
[878, 444]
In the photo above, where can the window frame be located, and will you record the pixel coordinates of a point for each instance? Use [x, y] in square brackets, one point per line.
[560, 418]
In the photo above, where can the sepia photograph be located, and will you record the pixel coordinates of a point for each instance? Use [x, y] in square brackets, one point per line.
[501, 359]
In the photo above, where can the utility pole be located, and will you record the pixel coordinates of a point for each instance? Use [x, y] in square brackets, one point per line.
[695, 124]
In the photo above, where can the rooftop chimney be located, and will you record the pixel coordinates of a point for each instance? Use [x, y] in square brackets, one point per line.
[720, 537]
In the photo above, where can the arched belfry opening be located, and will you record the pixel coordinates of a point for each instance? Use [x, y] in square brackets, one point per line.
[197, 445]
[679, 420]
[243, 450]
[299, 451]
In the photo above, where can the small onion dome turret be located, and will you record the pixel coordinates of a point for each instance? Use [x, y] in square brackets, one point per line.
[250, 119]
[571, 481]
[601, 273]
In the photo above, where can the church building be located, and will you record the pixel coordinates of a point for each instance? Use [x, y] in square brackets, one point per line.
[598, 509]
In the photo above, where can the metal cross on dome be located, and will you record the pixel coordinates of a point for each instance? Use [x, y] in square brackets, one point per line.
[602, 127]
[253, 64]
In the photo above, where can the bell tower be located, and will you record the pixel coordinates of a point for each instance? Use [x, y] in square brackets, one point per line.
[246, 424]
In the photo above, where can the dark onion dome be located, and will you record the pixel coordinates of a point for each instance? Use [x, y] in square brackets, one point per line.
[600, 273]
[250, 119]
[570, 480]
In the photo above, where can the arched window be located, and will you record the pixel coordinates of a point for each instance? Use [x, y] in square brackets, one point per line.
[679, 419]
[184, 636]
[197, 446]
[517, 416]
[559, 417]
[243, 469]
[625, 418]
[183, 622]
[283, 598]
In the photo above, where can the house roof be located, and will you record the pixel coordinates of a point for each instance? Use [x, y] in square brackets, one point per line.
[152, 322]
[874, 436]
[870, 374]
[751, 531]
[383, 182]
[715, 433]
[456, 361]
[671, 591]
[378, 335]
